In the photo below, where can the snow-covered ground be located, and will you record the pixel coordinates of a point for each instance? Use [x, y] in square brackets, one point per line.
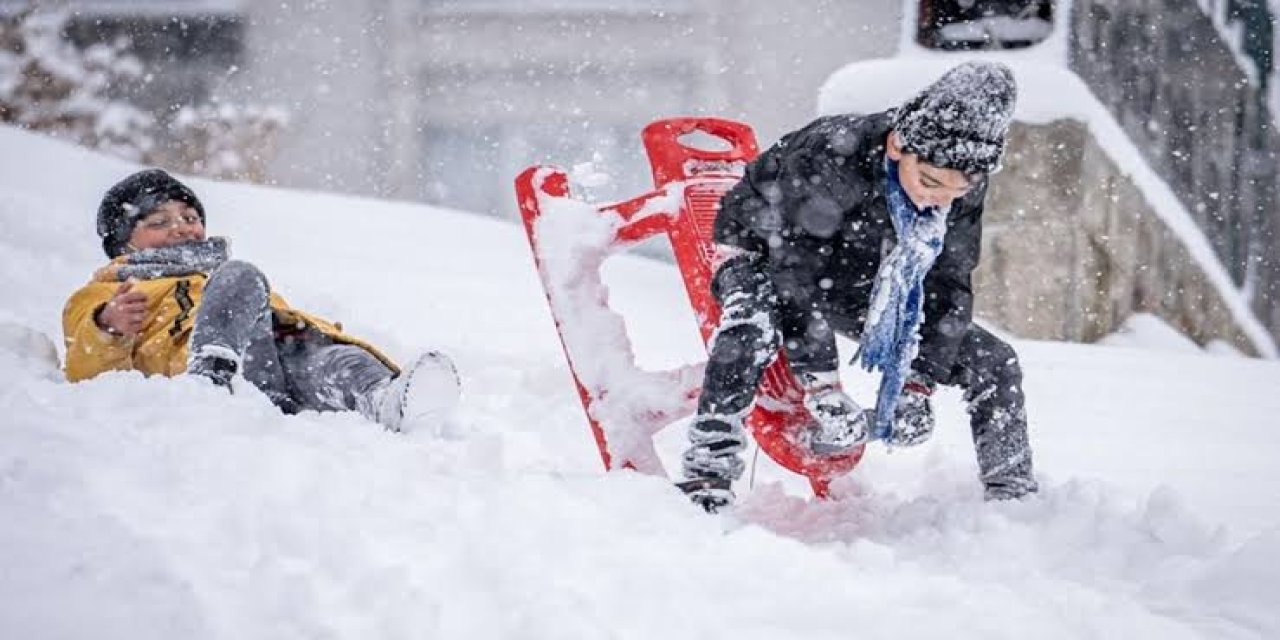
[136, 508]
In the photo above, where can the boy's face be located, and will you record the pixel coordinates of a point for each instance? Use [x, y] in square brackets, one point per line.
[173, 222]
[925, 184]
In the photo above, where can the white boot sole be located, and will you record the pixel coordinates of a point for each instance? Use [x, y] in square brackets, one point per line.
[432, 393]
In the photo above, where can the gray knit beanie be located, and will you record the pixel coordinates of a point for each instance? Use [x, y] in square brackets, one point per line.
[132, 199]
[961, 120]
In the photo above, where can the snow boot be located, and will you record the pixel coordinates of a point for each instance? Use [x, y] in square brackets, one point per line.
[712, 461]
[841, 424]
[914, 423]
[715, 440]
[712, 494]
[424, 393]
[1009, 489]
[216, 364]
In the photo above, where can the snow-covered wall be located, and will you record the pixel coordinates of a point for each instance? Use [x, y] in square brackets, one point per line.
[1153, 188]
[1081, 231]
[1176, 81]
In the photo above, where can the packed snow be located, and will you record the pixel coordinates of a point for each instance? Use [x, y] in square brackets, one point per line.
[146, 508]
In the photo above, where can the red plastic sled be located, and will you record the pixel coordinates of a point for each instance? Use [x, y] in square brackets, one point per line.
[571, 239]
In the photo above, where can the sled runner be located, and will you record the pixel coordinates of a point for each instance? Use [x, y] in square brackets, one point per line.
[571, 239]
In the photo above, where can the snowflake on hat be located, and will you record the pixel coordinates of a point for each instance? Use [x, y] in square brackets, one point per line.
[961, 120]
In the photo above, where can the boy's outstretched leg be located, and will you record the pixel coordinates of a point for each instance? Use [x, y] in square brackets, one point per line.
[328, 376]
[425, 393]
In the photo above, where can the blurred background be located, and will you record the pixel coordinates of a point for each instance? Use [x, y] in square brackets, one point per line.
[445, 101]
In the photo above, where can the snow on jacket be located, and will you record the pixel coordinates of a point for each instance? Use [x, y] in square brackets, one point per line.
[161, 346]
[812, 209]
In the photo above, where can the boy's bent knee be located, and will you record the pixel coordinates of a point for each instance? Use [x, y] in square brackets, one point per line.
[239, 269]
[990, 358]
[1003, 360]
[239, 273]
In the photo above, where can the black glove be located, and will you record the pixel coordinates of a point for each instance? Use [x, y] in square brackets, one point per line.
[913, 420]
[841, 423]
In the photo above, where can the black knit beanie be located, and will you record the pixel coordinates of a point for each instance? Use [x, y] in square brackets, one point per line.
[961, 120]
[132, 199]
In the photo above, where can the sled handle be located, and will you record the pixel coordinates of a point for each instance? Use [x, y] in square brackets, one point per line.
[672, 160]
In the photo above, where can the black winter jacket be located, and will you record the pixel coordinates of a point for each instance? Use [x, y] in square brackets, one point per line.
[812, 209]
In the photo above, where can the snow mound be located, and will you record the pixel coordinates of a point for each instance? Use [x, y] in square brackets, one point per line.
[134, 507]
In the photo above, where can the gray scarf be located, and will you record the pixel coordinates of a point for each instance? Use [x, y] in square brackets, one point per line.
[184, 259]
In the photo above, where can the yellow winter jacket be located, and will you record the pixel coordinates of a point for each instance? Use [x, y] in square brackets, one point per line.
[161, 346]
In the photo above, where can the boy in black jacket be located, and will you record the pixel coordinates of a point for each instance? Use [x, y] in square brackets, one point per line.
[867, 226]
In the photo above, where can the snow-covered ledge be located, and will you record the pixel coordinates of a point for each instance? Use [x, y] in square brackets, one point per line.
[1051, 94]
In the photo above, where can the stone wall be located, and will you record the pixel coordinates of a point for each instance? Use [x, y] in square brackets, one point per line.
[1071, 248]
[1200, 120]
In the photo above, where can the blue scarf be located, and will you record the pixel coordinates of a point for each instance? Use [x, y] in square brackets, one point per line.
[891, 335]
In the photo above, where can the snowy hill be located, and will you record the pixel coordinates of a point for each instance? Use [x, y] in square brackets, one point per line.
[135, 508]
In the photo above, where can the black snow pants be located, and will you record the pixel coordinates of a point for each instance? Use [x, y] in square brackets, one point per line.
[297, 368]
[754, 323]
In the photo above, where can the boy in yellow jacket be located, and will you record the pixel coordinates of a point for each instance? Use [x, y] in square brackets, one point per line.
[170, 301]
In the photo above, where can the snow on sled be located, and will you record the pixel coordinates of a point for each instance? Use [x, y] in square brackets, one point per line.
[571, 239]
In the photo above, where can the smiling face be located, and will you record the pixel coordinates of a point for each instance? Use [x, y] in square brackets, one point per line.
[171, 223]
[925, 184]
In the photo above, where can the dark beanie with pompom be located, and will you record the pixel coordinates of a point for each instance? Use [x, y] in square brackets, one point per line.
[961, 120]
[132, 199]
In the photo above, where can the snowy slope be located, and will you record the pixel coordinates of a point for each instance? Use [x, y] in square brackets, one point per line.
[134, 508]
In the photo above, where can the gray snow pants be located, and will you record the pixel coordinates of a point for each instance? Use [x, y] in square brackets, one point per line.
[752, 326]
[297, 368]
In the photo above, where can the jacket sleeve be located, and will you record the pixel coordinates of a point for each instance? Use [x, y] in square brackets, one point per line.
[948, 305]
[743, 221]
[787, 194]
[91, 350]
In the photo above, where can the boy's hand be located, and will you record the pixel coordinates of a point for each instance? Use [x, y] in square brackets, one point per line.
[841, 423]
[914, 421]
[125, 313]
